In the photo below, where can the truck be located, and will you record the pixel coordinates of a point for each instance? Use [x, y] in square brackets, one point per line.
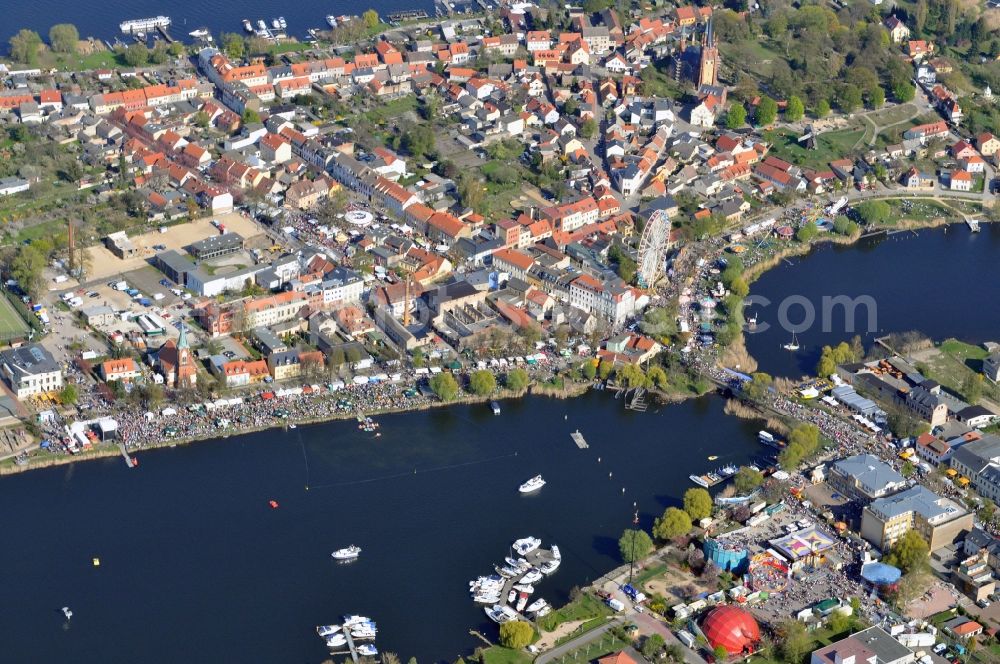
[686, 637]
[633, 594]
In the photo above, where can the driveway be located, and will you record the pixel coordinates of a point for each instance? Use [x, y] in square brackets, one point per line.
[582, 640]
[650, 625]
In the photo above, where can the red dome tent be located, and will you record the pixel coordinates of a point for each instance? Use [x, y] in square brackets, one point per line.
[732, 628]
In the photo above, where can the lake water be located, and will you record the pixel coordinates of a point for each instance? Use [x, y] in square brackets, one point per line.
[101, 19]
[196, 567]
[942, 282]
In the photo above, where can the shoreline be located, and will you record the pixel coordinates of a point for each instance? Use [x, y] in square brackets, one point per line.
[107, 450]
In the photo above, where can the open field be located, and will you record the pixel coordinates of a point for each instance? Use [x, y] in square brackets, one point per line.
[829, 146]
[104, 264]
[11, 324]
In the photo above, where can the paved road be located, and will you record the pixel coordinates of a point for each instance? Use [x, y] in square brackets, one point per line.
[650, 625]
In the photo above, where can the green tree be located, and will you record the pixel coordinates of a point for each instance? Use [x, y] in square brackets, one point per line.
[371, 19]
[588, 128]
[794, 641]
[844, 226]
[24, 46]
[657, 377]
[876, 98]
[697, 503]
[635, 545]
[68, 394]
[27, 268]
[482, 383]
[909, 553]
[233, 45]
[250, 116]
[674, 523]
[630, 375]
[822, 108]
[516, 634]
[903, 91]
[972, 388]
[736, 116]
[767, 111]
[747, 479]
[806, 232]
[516, 379]
[848, 98]
[739, 287]
[758, 386]
[418, 140]
[795, 109]
[201, 118]
[136, 55]
[675, 652]
[176, 49]
[874, 212]
[471, 191]
[63, 37]
[589, 371]
[652, 646]
[444, 386]
[720, 652]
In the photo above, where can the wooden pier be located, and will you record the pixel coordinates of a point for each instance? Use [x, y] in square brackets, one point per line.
[638, 401]
[579, 440]
[536, 558]
[166, 35]
[350, 644]
[129, 461]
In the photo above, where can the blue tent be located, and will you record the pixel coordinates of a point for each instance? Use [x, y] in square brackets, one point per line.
[880, 574]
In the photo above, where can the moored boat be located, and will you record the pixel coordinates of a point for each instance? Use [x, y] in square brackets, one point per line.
[526, 545]
[247, 26]
[367, 650]
[327, 630]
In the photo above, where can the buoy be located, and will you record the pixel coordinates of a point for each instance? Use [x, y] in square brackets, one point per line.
[609, 476]
[273, 504]
[623, 489]
[598, 459]
[97, 562]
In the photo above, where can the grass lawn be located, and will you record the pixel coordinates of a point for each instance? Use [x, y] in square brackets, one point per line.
[919, 210]
[752, 55]
[501, 655]
[608, 643]
[829, 146]
[647, 574]
[11, 323]
[584, 607]
[392, 109]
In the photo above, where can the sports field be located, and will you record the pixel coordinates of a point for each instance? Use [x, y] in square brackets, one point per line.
[12, 326]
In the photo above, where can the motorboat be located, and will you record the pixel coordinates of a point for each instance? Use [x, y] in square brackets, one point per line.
[524, 588]
[544, 611]
[282, 23]
[331, 20]
[500, 613]
[532, 576]
[261, 25]
[511, 596]
[247, 25]
[327, 630]
[293, 426]
[275, 23]
[727, 471]
[350, 553]
[550, 566]
[368, 633]
[200, 33]
[555, 552]
[536, 606]
[518, 563]
[486, 597]
[367, 650]
[66, 612]
[713, 457]
[526, 545]
[534, 484]
[495, 406]
[336, 641]
[765, 436]
[507, 571]
[351, 620]
[522, 601]
[700, 480]
[792, 345]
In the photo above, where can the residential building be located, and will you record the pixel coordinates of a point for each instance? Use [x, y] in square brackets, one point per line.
[979, 460]
[31, 370]
[123, 369]
[869, 646]
[939, 521]
[216, 246]
[864, 477]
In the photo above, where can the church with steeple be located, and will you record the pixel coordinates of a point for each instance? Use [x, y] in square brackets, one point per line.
[708, 60]
[176, 363]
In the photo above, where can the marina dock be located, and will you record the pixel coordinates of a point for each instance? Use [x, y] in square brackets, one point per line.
[129, 461]
[536, 558]
[973, 225]
[638, 400]
[579, 440]
[351, 646]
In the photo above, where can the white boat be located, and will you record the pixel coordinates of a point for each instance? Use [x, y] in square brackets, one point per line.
[281, 22]
[555, 552]
[536, 606]
[792, 345]
[526, 545]
[293, 426]
[544, 611]
[534, 484]
[364, 633]
[511, 596]
[549, 566]
[199, 33]
[367, 650]
[517, 563]
[247, 26]
[351, 620]
[331, 20]
[486, 597]
[496, 407]
[973, 225]
[765, 436]
[327, 630]
[67, 612]
[524, 588]
[699, 480]
[500, 613]
[261, 25]
[522, 601]
[350, 553]
[531, 577]
[336, 641]
[507, 571]
[275, 23]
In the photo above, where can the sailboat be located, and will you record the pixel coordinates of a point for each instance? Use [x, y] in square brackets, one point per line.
[792, 345]
[752, 322]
